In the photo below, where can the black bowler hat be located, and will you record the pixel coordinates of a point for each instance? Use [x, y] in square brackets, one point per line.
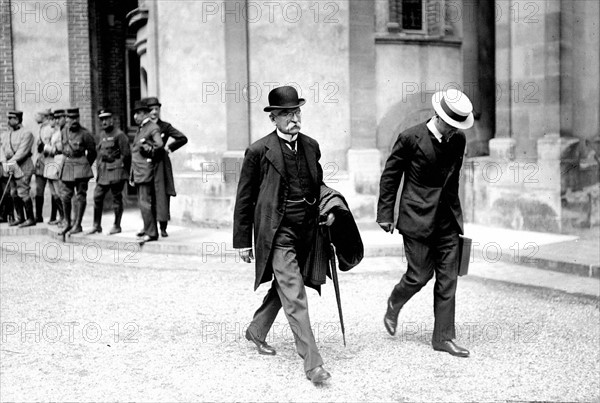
[152, 101]
[15, 114]
[140, 106]
[285, 97]
[59, 113]
[104, 113]
[73, 112]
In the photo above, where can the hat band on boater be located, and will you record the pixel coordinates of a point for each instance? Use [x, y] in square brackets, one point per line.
[451, 114]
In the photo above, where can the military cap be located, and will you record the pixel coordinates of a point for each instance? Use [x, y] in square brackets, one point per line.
[73, 112]
[15, 114]
[59, 113]
[152, 101]
[44, 112]
[104, 113]
[140, 105]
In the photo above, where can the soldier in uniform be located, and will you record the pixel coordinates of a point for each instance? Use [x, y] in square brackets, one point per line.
[6, 208]
[15, 156]
[114, 159]
[45, 118]
[79, 149]
[164, 184]
[143, 151]
[53, 171]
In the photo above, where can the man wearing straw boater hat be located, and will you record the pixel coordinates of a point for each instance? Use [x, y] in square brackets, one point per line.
[429, 156]
[277, 201]
[17, 165]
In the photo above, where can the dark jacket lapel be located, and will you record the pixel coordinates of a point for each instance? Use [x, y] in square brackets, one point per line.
[311, 156]
[274, 154]
[424, 143]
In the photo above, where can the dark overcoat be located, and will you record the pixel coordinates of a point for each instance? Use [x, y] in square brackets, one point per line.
[143, 152]
[164, 183]
[261, 194]
[413, 157]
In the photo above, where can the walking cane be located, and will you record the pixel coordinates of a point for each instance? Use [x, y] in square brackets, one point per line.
[10, 175]
[336, 284]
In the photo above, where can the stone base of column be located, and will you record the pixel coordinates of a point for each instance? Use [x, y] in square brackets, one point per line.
[364, 167]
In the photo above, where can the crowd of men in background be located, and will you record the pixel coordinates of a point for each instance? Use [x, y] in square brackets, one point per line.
[61, 157]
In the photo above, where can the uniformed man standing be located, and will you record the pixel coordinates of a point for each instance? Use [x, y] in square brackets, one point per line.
[79, 149]
[164, 184]
[143, 152]
[6, 208]
[45, 118]
[53, 170]
[15, 156]
[114, 160]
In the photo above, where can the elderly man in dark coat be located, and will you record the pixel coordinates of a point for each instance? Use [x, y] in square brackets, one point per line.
[277, 199]
[114, 160]
[79, 149]
[429, 156]
[164, 184]
[143, 153]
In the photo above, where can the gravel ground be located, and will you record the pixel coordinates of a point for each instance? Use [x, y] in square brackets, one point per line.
[108, 326]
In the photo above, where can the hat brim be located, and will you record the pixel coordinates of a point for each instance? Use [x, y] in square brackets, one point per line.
[465, 124]
[301, 101]
[141, 109]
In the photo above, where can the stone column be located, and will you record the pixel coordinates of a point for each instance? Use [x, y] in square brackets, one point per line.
[364, 159]
[238, 109]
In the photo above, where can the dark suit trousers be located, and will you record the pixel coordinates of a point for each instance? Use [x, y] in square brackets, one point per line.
[287, 288]
[147, 204]
[439, 255]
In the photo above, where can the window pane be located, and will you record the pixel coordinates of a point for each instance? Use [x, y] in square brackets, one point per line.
[412, 14]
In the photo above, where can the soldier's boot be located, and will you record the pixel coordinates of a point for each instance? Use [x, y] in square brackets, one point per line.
[117, 225]
[39, 208]
[66, 218]
[61, 212]
[96, 228]
[19, 215]
[53, 210]
[163, 228]
[31, 221]
[76, 229]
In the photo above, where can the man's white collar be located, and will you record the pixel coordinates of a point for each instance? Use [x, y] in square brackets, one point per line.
[433, 129]
[287, 137]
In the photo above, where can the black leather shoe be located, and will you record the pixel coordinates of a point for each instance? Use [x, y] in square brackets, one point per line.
[390, 320]
[147, 238]
[75, 230]
[163, 233]
[114, 230]
[450, 347]
[94, 230]
[262, 346]
[29, 223]
[141, 233]
[318, 375]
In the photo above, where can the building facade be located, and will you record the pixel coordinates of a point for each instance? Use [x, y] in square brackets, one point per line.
[368, 70]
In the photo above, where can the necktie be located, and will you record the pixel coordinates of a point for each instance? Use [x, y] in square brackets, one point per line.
[292, 144]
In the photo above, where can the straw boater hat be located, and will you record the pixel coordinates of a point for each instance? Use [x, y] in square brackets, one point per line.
[454, 108]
